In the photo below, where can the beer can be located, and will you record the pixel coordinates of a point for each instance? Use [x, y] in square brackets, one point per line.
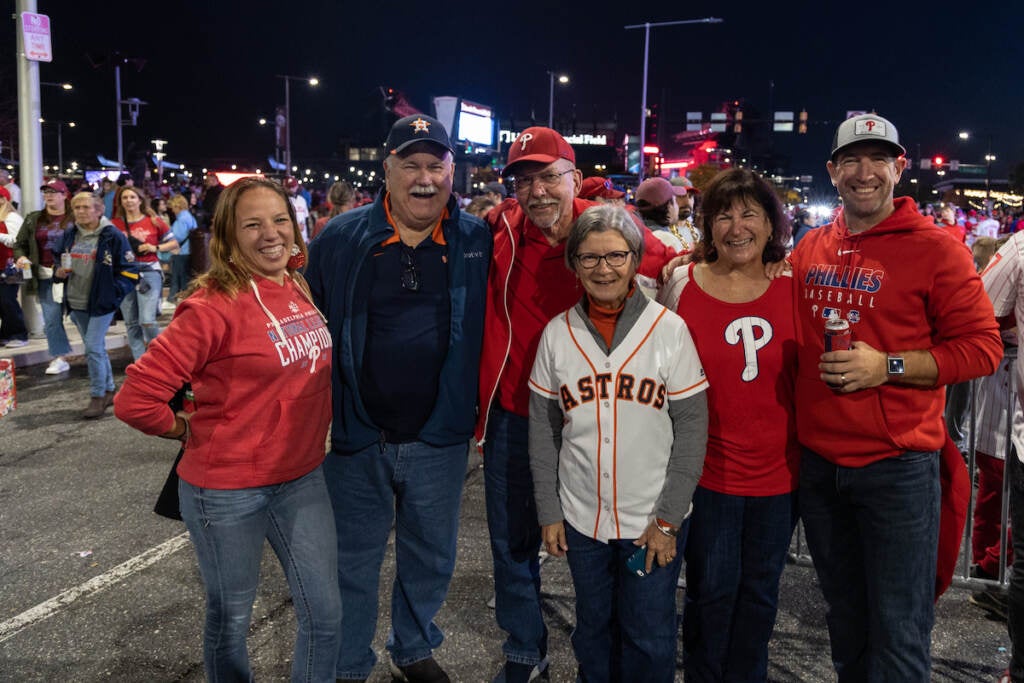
[65, 260]
[837, 334]
[26, 271]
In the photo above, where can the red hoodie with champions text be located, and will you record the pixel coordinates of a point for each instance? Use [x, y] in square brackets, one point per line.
[902, 285]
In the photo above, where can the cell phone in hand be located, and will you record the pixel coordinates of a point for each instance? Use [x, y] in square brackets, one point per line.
[637, 562]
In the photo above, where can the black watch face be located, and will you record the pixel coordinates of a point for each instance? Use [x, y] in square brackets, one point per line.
[895, 366]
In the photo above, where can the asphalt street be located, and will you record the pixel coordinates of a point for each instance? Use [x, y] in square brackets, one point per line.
[95, 587]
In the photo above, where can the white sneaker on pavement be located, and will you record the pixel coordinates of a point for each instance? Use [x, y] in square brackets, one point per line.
[57, 366]
[16, 343]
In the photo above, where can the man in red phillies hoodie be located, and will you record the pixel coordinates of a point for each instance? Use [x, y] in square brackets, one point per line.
[870, 418]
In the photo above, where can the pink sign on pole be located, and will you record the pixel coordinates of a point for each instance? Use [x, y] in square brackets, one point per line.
[35, 29]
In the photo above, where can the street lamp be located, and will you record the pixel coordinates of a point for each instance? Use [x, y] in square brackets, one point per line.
[563, 79]
[647, 49]
[313, 81]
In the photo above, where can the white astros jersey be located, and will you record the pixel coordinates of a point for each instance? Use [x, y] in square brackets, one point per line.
[617, 434]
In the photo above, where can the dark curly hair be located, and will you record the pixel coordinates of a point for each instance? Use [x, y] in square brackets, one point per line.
[746, 186]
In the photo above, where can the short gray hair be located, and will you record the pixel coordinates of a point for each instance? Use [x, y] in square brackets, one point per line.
[604, 218]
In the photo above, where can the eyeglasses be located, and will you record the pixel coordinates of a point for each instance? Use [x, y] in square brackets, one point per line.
[547, 180]
[615, 259]
[410, 276]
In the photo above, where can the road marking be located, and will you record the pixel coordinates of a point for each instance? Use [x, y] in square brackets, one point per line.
[47, 609]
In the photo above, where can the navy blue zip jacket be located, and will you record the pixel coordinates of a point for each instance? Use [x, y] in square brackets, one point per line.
[116, 271]
[337, 258]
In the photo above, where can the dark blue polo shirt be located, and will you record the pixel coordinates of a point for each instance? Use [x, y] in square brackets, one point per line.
[407, 334]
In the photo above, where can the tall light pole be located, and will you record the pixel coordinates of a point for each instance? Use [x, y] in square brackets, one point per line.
[67, 87]
[563, 79]
[313, 81]
[647, 50]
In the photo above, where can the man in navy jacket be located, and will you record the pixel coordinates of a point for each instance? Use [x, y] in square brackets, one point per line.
[401, 282]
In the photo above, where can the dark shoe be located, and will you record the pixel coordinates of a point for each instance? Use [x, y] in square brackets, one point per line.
[424, 671]
[978, 573]
[97, 406]
[992, 601]
[514, 672]
[108, 399]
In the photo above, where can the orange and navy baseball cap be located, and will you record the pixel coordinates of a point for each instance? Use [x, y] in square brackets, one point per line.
[539, 144]
[416, 128]
[596, 186]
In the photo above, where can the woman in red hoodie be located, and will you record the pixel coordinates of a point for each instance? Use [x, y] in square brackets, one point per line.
[257, 354]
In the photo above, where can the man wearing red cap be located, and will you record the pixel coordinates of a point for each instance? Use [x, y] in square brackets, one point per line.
[602, 191]
[527, 286]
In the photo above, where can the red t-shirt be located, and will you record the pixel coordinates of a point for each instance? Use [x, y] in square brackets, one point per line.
[748, 352]
[147, 230]
[540, 287]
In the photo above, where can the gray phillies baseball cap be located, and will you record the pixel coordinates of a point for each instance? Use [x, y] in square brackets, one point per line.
[866, 128]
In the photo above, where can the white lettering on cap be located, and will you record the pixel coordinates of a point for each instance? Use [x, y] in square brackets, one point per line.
[869, 127]
[524, 138]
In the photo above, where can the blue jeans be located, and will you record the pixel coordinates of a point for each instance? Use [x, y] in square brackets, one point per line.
[140, 311]
[625, 625]
[228, 528]
[53, 324]
[515, 537]
[873, 535]
[93, 329]
[179, 275]
[735, 554]
[12, 320]
[417, 487]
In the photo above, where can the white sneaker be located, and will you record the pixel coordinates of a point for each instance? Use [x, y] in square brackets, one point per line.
[16, 343]
[57, 366]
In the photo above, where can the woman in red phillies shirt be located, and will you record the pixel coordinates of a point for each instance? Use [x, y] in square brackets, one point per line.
[147, 235]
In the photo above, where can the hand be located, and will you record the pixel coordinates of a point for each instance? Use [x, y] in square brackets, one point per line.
[553, 536]
[62, 273]
[22, 262]
[775, 269]
[660, 546]
[181, 429]
[674, 263]
[146, 248]
[862, 367]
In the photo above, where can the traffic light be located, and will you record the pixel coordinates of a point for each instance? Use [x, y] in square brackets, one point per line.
[938, 161]
[737, 126]
[802, 127]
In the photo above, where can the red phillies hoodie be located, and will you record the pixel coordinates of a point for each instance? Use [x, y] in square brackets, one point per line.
[902, 285]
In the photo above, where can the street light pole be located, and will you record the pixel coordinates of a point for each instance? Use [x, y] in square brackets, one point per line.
[313, 81]
[646, 26]
[563, 79]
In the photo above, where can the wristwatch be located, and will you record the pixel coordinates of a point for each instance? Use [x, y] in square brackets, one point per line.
[894, 366]
[666, 528]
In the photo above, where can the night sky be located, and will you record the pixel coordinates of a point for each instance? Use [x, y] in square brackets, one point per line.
[210, 69]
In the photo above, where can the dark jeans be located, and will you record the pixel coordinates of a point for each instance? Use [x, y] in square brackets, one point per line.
[515, 537]
[873, 535]
[1015, 622]
[735, 555]
[12, 321]
[625, 625]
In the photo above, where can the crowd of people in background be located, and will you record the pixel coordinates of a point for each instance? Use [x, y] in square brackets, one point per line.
[494, 316]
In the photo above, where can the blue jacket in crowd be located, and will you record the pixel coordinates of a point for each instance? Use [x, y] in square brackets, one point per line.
[340, 281]
[116, 273]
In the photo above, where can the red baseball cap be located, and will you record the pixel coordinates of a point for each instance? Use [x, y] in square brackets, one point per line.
[683, 185]
[55, 185]
[596, 186]
[538, 144]
[655, 192]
